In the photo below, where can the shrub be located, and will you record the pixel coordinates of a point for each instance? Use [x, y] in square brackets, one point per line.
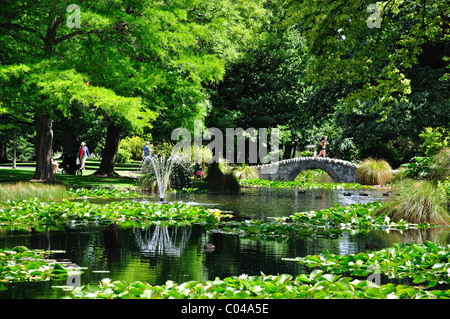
[374, 172]
[133, 146]
[220, 179]
[434, 139]
[418, 168]
[418, 202]
[123, 156]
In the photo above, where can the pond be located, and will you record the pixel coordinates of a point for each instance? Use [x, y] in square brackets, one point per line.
[157, 254]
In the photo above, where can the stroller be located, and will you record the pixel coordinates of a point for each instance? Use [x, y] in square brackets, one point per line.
[69, 165]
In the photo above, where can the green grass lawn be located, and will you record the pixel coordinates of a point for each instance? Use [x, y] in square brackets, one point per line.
[25, 172]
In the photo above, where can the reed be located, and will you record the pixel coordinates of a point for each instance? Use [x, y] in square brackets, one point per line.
[27, 190]
[374, 172]
[418, 201]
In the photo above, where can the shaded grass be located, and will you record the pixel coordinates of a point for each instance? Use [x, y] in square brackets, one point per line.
[419, 201]
[440, 166]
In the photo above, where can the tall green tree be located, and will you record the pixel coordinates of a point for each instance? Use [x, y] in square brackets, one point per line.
[161, 52]
[370, 45]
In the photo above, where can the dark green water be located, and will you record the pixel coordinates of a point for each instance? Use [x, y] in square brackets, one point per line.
[158, 254]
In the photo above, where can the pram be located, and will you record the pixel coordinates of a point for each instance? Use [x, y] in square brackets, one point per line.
[69, 165]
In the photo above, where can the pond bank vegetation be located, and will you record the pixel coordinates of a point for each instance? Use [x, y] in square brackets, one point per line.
[334, 276]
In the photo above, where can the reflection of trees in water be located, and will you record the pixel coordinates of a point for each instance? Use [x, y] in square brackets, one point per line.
[439, 234]
[162, 240]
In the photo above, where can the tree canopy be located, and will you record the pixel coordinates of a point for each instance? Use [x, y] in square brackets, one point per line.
[370, 75]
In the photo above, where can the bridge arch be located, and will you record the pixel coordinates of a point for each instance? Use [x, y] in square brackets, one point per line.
[340, 171]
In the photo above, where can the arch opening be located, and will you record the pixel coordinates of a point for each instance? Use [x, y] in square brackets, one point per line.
[313, 175]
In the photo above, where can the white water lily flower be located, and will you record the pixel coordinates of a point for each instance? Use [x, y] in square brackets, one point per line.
[105, 281]
[243, 276]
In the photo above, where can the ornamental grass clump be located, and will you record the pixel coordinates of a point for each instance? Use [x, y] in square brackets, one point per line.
[245, 172]
[374, 172]
[418, 202]
[440, 166]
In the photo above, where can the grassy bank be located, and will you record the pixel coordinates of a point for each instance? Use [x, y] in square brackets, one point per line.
[25, 171]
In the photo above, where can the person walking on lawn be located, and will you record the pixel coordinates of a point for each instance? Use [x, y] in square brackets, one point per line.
[83, 154]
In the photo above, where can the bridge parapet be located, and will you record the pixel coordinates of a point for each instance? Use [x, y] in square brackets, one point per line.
[339, 170]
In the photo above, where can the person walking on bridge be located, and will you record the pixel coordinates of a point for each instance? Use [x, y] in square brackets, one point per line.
[324, 143]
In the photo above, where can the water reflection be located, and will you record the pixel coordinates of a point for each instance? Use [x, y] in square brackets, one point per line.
[156, 254]
[261, 203]
[162, 240]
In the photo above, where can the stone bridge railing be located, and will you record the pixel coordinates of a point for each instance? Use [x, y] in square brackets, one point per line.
[340, 171]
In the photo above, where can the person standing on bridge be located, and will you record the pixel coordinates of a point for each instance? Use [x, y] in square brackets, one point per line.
[324, 143]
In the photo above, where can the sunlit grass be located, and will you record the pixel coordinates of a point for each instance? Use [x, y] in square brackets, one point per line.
[374, 172]
[418, 201]
[27, 190]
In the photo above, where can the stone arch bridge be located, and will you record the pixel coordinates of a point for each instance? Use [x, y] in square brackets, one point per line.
[340, 171]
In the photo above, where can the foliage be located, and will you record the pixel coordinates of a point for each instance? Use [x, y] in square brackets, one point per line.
[434, 139]
[21, 264]
[330, 222]
[102, 192]
[316, 285]
[374, 172]
[123, 156]
[418, 202]
[132, 146]
[302, 184]
[125, 213]
[372, 58]
[313, 176]
[418, 167]
[422, 262]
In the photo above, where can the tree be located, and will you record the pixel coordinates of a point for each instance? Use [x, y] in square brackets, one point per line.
[266, 87]
[160, 52]
[373, 55]
[35, 36]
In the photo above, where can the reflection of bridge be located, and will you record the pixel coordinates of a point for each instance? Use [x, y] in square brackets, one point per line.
[340, 171]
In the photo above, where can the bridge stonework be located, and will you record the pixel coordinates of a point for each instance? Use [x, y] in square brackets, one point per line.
[340, 171]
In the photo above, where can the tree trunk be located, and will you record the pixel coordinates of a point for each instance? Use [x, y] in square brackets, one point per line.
[287, 150]
[3, 158]
[110, 151]
[43, 146]
[15, 147]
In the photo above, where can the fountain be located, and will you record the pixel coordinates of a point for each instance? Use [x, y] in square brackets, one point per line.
[162, 168]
